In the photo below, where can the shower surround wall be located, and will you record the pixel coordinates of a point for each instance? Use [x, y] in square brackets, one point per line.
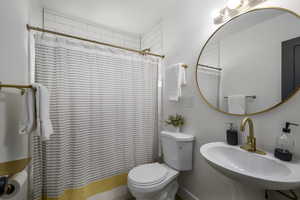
[153, 39]
[185, 32]
[73, 25]
[55, 21]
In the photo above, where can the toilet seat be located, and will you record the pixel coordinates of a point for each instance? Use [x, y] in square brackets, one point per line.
[152, 180]
[148, 174]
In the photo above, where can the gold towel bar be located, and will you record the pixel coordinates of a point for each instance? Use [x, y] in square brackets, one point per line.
[20, 87]
[252, 97]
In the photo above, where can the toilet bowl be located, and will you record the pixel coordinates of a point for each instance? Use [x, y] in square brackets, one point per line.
[153, 181]
[157, 181]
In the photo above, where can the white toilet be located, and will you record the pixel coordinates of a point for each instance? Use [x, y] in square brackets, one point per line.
[157, 181]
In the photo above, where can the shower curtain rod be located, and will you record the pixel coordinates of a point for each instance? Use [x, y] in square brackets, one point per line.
[143, 52]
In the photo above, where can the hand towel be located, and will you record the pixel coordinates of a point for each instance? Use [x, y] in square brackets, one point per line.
[28, 120]
[182, 75]
[44, 126]
[175, 79]
[237, 104]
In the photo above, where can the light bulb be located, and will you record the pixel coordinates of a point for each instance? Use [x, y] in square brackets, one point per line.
[217, 16]
[234, 4]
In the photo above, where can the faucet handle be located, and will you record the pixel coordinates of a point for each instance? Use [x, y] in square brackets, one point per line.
[287, 127]
[293, 124]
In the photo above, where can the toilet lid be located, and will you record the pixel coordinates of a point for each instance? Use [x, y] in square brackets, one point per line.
[148, 174]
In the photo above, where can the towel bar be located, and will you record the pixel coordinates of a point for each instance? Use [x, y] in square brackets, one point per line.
[20, 87]
[252, 97]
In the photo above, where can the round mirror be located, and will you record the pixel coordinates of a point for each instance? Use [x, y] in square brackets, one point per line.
[251, 64]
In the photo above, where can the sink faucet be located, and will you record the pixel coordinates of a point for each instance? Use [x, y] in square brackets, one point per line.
[251, 140]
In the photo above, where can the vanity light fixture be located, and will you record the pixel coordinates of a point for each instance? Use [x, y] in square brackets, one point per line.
[234, 4]
[232, 8]
[216, 14]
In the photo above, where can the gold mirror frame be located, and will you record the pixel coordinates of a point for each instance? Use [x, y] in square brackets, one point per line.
[227, 22]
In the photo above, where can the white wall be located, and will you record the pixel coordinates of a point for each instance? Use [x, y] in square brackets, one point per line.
[13, 70]
[36, 13]
[14, 15]
[187, 26]
[153, 39]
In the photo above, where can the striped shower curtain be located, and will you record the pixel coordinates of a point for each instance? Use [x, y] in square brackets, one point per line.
[103, 107]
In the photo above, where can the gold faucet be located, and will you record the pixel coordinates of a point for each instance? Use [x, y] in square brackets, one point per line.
[251, 140]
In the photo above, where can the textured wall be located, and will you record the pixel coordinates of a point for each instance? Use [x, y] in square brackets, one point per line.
[153, 39]
[74, 25]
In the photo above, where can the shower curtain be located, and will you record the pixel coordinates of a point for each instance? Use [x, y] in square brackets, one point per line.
[103, 106]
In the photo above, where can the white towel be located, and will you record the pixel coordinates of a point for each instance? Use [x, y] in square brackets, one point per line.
[237, 104]
[28, 121]
[44, 126]
[175, 79]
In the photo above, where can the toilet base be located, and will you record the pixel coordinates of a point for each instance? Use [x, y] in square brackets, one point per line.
[167, 193]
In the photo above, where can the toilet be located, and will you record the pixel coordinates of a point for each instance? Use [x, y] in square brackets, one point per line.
[157, 181]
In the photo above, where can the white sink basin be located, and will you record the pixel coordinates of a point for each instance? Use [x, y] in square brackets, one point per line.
[265, 172]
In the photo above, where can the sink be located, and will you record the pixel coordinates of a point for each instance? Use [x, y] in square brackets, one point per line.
[264, 171]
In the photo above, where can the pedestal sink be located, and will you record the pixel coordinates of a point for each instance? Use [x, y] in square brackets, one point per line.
[264, 171]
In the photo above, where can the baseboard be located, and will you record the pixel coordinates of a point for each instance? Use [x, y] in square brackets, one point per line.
[184, 194]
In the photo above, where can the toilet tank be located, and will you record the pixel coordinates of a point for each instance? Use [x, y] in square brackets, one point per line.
[177, 150]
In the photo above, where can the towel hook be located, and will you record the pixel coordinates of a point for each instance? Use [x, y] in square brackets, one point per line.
[184, 66]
